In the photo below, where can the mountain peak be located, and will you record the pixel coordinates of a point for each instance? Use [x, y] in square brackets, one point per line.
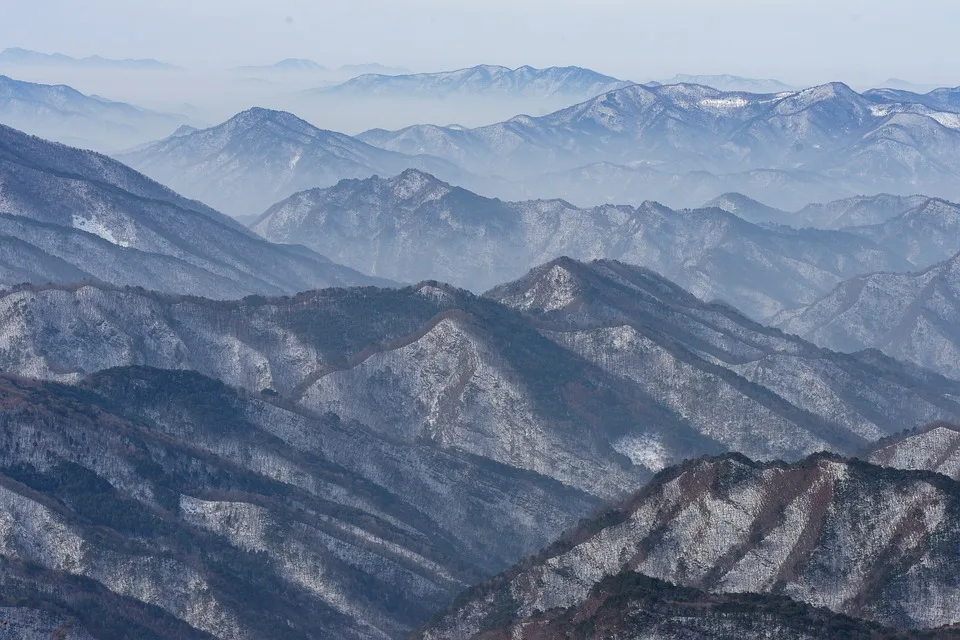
[550, 287]
[416, 184]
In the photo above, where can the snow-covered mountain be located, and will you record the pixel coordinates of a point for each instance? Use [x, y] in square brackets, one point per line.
[575, 83]
[829, 132]
[510, 378]
[873, 543]
[726, 82]
[15, 56]
[260, 156]
[934, 447]
[914, 317]
[60, 113]
[68, 215]
[414, 226]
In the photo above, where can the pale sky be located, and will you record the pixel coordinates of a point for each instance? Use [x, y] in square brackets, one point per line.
[800, 41]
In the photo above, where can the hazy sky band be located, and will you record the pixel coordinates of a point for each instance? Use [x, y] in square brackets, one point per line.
[802, 42]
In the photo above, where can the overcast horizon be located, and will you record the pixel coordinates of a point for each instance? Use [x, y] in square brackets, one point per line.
[848, 40]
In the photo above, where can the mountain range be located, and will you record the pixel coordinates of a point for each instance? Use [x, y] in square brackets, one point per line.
[68, 215]
[921, 229]
[838, 214]
[350, 459]
[827, 134]
[482, 80]
[507, 377]
[16, 56]
[260, 156]
[58, 112]
[414, 226]
[728, 421]
[946, 98]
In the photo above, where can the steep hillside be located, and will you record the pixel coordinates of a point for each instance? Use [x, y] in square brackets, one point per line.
[878, 544]
[219, 515]
[913, 316]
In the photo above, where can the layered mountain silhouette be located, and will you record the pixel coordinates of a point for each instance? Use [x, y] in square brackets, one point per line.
[414, 226]
[261, 156]
[16, 56]
[827, 135]
[68, 215]
[482, 80]
[60, 113]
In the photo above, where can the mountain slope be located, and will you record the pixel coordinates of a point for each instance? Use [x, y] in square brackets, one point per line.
[846, 214]
[632, 605]
[869, 542]
[485, 80]
[260, 156]
[217, 513]
[913, 317]
[414, 226]
[60, 113]
[737, 373]
[946, 98]
[94, 216]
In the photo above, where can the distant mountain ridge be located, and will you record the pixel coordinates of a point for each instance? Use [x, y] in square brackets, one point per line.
[414, 226]
[17, 56]
[487, 80]
[260, 156]
[61, 113]
[726, 82]
[830, 133]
